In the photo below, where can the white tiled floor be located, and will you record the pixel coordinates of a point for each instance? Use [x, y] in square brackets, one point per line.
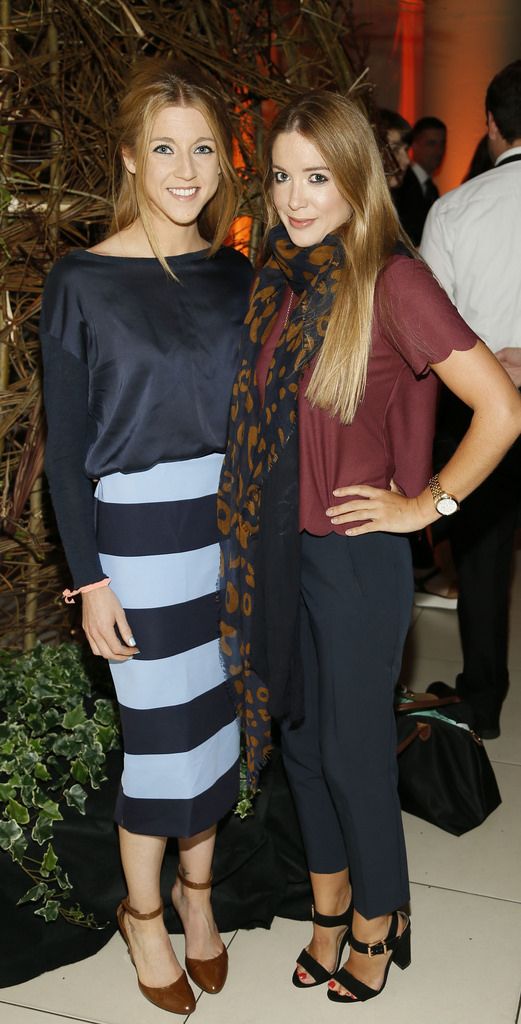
[466, 905]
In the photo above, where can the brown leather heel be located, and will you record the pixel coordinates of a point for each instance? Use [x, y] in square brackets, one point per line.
[210, 975]
[177, 997]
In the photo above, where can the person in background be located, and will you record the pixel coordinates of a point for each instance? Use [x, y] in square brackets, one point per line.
[396, 135]
[418, 191]
[140, 342]
[471, 242]
[327, 470]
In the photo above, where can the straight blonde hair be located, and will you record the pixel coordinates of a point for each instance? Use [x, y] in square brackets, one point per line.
[343, 136]
[155, 84]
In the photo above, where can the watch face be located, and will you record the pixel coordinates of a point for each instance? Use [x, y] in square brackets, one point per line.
[446, 506]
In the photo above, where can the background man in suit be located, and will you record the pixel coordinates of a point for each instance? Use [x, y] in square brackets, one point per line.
[418, 191]
[472, 242]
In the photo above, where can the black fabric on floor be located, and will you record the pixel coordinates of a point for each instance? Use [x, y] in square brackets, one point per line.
[259, 872]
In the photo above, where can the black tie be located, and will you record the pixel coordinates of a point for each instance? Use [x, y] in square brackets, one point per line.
[430, 192]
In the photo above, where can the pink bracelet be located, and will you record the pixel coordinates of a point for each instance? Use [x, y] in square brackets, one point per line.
[69, 595]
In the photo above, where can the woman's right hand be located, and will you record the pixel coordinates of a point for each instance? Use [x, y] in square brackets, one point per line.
[102, 612]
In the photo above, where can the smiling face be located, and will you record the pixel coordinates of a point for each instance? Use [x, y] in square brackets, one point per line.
[181, 170]
[304, 192]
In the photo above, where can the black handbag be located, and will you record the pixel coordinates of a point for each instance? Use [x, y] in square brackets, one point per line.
[445, 776]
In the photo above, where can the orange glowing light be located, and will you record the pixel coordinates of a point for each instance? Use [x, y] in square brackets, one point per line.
[240, 231]
[409, 38]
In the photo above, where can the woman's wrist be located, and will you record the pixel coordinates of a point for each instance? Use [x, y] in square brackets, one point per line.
[69, 595]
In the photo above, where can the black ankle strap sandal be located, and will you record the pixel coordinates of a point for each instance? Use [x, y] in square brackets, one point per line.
[399, 946]
[312, 967]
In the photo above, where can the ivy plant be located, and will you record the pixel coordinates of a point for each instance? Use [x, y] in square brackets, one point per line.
[245, 804]
[55, 734]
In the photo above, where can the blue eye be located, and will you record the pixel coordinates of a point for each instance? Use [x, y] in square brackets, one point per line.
[317, 178]
[204, 149]
[280, 177]
[162, 148]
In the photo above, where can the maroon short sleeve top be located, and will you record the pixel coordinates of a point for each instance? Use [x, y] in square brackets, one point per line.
[414, 325]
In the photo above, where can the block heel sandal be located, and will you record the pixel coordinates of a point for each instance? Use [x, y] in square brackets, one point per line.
[399, 946]
[312, 967]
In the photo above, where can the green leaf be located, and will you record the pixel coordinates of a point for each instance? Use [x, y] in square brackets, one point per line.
[43, 830]
[27, 795]
[76, 797]
[244, 808]
[50, 911]
[10, 831]
[7, 790]
[33, 894]
[74, 718]
[79, 771]
[43, 690]
[18, 812]
[50, 859]
[78, 916]
[18, 849]
[104, 713]
[48, 808]
[67, 746]
[31, 707]
[97, 776]
[41, 772]
[63, 879]
[107, 736]
[93, 755]
[50, 719]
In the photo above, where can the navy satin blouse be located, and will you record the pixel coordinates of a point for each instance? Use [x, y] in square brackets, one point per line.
[138, 369]
[161, 354]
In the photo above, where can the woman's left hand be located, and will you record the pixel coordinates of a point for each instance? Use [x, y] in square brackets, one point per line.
[389, 511]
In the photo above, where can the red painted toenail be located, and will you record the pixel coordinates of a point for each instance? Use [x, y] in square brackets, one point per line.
[330, 984]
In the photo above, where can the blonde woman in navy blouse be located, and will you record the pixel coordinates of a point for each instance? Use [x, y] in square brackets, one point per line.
[140, 340]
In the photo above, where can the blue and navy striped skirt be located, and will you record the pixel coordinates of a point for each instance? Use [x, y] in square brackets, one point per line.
[158, 542]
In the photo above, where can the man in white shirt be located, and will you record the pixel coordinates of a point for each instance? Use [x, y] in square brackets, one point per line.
[418, 192]
[472, 242]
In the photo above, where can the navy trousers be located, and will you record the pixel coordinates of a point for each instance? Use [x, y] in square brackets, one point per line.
[356, 598]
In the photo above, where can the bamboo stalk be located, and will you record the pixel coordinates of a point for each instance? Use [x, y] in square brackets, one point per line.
[55, 175]
[31, 591]
[5, 141]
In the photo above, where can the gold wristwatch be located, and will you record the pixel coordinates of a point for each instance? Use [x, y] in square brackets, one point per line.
[445, 504]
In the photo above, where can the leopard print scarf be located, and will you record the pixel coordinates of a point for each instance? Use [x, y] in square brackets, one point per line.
[257, 437]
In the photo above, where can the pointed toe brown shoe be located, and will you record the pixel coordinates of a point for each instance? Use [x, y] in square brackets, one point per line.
[210, 975]
[177, 997]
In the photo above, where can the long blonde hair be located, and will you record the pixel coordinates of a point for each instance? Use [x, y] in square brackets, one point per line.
[345, 140]
[155, 84]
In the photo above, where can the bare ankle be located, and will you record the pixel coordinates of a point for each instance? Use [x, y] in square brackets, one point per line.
[370, 929]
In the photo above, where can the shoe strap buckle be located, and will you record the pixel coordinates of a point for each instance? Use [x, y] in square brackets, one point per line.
[377, 948]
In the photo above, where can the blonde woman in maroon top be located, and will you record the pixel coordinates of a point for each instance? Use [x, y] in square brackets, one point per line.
[327, 471]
